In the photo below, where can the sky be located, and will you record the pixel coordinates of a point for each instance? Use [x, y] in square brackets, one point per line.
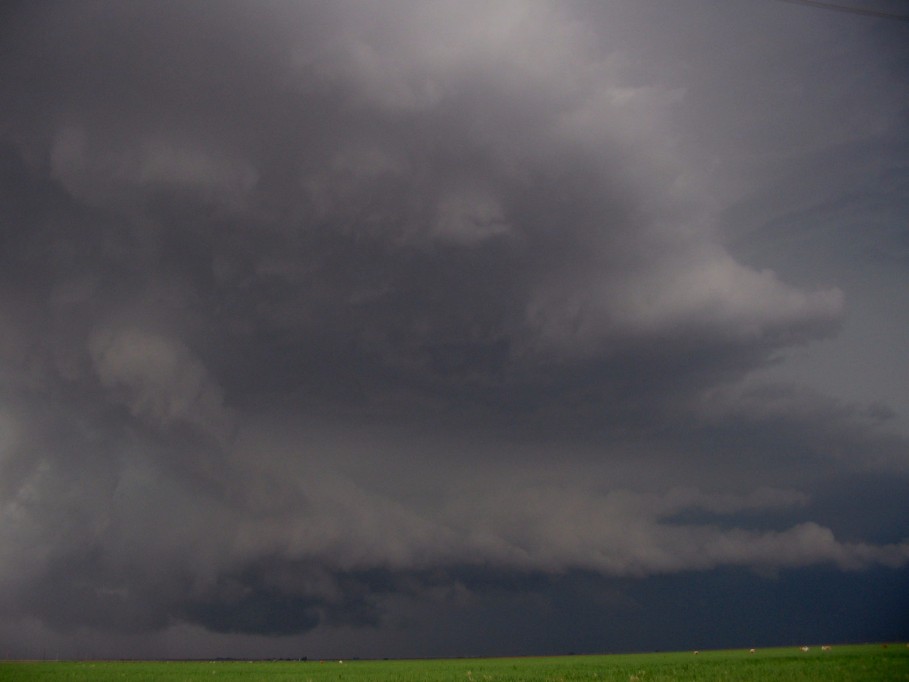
[412, 329]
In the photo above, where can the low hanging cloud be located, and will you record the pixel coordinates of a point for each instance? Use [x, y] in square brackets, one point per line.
[711, 297]
[307, 309]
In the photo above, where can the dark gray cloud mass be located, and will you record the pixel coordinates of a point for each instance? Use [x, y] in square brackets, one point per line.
[447, 328]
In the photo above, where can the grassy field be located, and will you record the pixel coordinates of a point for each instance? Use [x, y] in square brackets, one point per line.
[876, 663]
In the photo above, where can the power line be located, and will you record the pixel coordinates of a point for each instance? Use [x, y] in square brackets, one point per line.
[849, 9]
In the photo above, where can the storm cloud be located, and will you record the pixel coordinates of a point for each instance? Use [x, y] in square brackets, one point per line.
[317, 322]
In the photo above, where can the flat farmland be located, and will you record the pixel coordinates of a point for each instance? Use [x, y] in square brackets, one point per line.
[852, 663]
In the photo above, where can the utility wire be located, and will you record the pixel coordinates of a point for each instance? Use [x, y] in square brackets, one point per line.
[848, 9]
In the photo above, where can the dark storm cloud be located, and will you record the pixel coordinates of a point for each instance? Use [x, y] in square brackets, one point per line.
[311, 316]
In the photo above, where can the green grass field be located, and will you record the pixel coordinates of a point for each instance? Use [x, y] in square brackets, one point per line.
[876, 663]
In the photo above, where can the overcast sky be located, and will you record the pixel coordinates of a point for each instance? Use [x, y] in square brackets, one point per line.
[452, 328]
